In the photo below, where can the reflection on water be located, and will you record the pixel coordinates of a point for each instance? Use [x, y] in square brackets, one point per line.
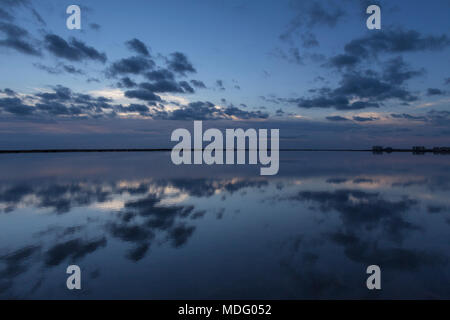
[140, 227]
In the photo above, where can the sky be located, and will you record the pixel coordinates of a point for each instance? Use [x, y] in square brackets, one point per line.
[137, 70]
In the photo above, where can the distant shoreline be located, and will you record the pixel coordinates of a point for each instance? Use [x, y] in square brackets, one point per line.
[411, 150]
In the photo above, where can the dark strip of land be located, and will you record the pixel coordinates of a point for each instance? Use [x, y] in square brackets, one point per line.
[169, 149]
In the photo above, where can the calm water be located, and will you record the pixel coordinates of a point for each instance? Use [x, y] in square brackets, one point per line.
[140, 227]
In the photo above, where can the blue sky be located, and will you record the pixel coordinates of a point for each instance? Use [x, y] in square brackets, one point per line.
[310, 68]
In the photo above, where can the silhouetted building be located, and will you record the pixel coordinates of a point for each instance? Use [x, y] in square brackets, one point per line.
[419, 150]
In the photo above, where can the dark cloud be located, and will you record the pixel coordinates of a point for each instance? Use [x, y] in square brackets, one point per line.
[186, 87]
[313, 13]
[72, 69]
[142, 94]
[170, 86]
[132, 65]
[38, 17]
[14, 3]
[48, 69]
[4, 15]
[309, 40]
[207, 111]
[397, 71]
[434, 92]
[58, 69]
[408, 117]
[219, 84]
[138, 46]
[395, 41]
[357, 85]
[436, 209]
[336, 180]
[337, 118]
[18, 39]
[179, 63]
[8, 92]
[12, 31]
[95, 26]
[21, 46]
[364, 119]
[343, 61]
[368, 88]
[74, 50]
[279, 112]
[160, 75]
[62, 101]
[390, 41]
[126, 82]
[198, 84]
[140, 108]
[60, 93]
[15, 106]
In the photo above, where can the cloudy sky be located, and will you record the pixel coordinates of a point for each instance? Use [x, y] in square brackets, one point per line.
[139, 69]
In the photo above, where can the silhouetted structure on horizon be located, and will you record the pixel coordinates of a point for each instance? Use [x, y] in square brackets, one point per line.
[417, 150]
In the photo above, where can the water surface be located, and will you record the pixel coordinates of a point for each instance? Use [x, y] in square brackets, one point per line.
[140, 227]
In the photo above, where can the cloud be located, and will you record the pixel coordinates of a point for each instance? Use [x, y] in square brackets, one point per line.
[139, 108]
[343, 61]
[395, 41]
[95, 26]
[179, 63]
[336, 118]
[389, 41]
[15, 106]
[208, 111]
[18, 39]
[434, 92]
[14, 3]
[313, 13]
[126, 82]
[364, 119]
[138, 46]
[63, 102]
[309, 40]
[186, 87]
[397, 71]
[219, 84]
[38, 17]
[160, 75]
[198, 84]
[142, 94]
[408, 117]
[59, 68]
[167, 86]
[8, 92]
[4, 15]
[133, 65]
[356, 91]
[74, 50]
